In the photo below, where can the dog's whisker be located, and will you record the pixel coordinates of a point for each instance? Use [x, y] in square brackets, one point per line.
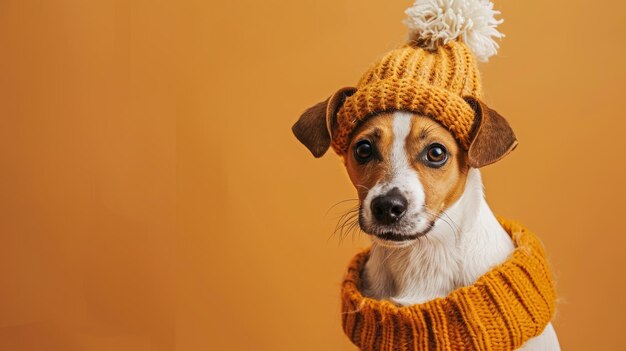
[350, 229]
[456, 229]
[446, 221]
[339, 203]
[356, 230]
[346, 230]
[339, 226]
[353, 227]
[347, 213]
[449, 221]
[346, 223]
[362, 186]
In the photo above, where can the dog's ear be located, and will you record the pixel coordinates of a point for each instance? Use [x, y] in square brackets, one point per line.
[492, 137]
[315, 126]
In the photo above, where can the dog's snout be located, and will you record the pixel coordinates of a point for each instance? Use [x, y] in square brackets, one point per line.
[389, 208]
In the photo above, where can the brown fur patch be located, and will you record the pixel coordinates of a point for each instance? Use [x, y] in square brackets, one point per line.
[444, 185]
[379, 131]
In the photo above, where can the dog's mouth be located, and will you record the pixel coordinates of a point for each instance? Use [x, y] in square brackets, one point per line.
[395, 237]
[394, 234]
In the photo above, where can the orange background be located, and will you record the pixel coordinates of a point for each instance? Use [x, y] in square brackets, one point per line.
[152, 196]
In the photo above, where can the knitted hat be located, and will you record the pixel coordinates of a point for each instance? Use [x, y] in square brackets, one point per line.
[411, 78]
[435, 74]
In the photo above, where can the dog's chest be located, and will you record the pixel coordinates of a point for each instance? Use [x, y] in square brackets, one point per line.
[433, 268]
[412, 276]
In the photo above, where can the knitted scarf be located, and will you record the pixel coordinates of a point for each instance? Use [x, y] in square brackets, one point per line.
[508, 305]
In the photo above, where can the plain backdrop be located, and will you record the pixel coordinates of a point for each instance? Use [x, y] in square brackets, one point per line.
[152, 196]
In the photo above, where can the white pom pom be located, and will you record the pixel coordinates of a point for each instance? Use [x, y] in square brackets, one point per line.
[436, 22]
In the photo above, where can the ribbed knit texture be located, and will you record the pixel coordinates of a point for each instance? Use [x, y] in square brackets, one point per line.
[504, 308]
[431, 83]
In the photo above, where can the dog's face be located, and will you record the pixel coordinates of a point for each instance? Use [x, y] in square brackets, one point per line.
[407, 169]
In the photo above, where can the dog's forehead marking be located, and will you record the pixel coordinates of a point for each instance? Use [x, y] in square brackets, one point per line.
[401, 128]
[403, 175]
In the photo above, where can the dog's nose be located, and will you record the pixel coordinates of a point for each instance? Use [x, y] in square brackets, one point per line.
[389, 208]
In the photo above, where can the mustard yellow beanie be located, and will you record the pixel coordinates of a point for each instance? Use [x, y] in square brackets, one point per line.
[430, 75]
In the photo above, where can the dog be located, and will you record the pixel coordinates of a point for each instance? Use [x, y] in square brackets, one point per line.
[421, 201]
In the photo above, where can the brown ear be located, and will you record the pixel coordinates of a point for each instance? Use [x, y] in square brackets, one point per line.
[314, 128]
[492, 137]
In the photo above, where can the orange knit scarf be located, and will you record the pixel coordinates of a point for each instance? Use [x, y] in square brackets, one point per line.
[504, 308]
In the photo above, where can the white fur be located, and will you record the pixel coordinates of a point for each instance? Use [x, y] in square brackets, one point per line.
[437, 22]
[465, 242]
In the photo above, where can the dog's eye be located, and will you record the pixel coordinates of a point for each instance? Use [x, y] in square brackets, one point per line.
[363, 151]
[436, 155]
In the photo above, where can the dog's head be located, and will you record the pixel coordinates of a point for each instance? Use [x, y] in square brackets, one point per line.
[407, 168]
